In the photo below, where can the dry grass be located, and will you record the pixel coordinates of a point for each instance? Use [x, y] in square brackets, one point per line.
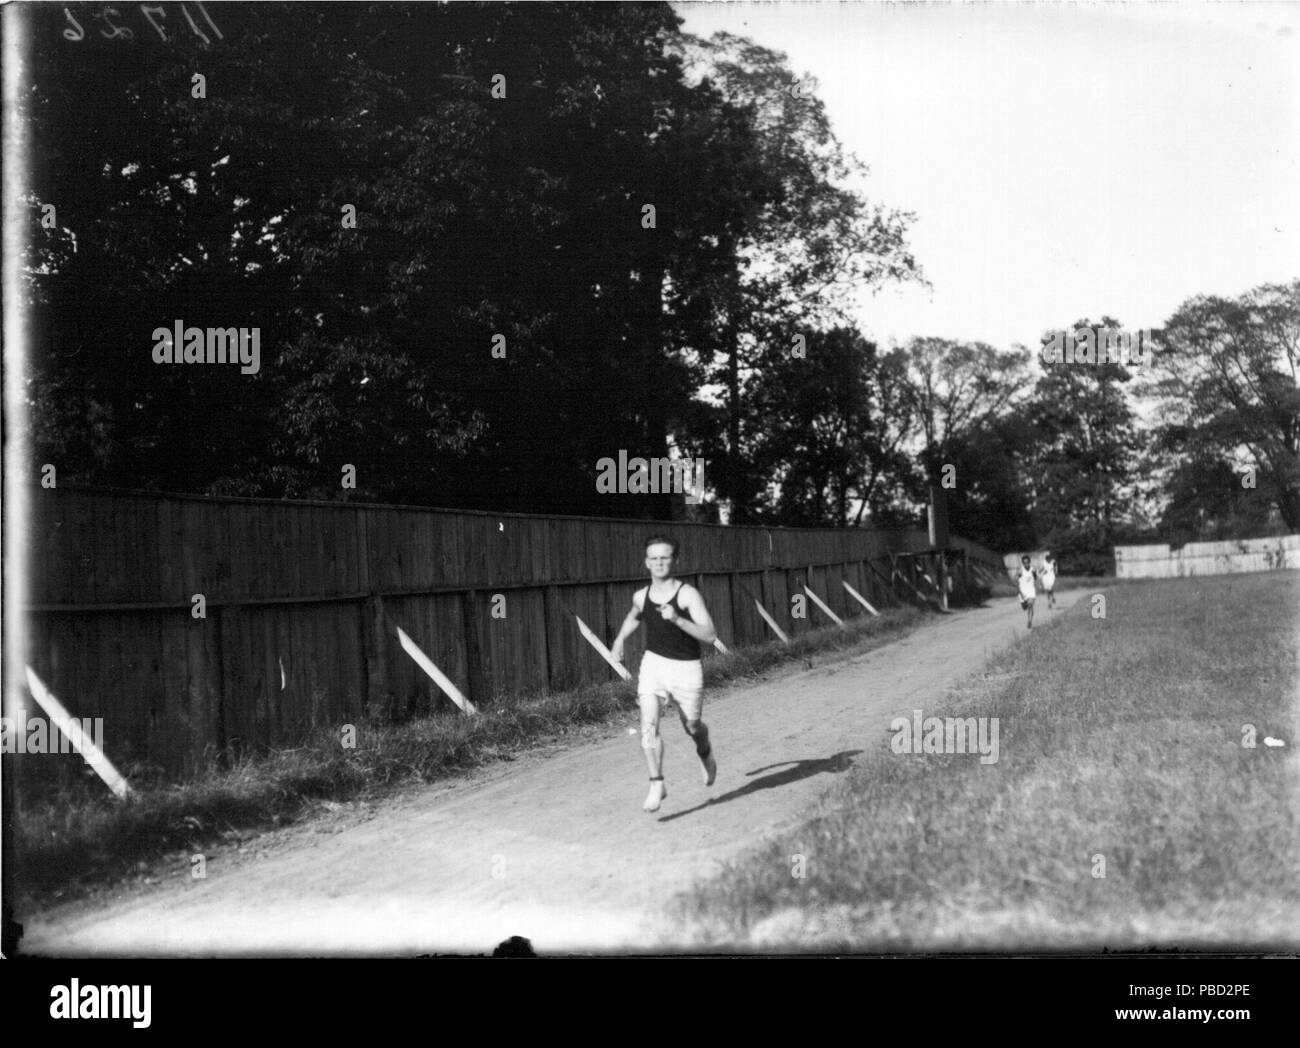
[1121, 740]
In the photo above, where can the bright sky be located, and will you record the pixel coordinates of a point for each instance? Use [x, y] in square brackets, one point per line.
[1062, 161]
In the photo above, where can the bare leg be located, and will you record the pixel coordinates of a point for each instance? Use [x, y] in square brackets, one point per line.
[699, 733]
[652, 745]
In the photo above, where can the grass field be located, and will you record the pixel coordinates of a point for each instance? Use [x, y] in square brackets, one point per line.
[1124, 810]
[81, 837]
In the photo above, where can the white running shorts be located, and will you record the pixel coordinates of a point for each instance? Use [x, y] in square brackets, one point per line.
[681, 680]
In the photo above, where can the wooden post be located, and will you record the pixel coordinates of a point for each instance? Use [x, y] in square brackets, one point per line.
[822, 604]
[902, 577]
[601, 650]
[860, 598]
[889, 582]
[72, 730]
[762, 611]
[771, 621]
[436, 675]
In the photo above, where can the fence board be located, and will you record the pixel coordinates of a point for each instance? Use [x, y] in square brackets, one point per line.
[203, 685]
[716, 591]
[173, 702]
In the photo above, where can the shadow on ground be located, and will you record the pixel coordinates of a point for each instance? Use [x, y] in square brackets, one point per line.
[797, 770]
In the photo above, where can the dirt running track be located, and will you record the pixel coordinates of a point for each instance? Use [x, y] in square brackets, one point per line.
[554, 848]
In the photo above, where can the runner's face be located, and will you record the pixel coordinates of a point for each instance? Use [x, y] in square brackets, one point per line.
[659, 559]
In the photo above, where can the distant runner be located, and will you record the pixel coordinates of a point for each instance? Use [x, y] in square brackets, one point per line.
[676, 622]
[1047, 578]
[1025, 581]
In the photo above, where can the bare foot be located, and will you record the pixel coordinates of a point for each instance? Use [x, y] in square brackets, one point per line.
[710, 768]
[656, 795]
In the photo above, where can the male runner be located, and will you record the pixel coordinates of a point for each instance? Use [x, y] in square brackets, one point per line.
[1025, 581]
[676, 622]
[1047, 578]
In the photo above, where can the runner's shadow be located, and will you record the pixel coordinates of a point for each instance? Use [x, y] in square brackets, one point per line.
[798, 770]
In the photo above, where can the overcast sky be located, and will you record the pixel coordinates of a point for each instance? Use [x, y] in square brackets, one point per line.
[1062, 161]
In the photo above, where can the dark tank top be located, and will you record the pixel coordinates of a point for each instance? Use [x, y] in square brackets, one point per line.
[662, 637]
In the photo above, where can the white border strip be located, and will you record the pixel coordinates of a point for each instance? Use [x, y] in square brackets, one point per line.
[16, 147]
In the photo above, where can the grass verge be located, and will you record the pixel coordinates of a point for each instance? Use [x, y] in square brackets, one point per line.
[1124, 810]
[70, 841]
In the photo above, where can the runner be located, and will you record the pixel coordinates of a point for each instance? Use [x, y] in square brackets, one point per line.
[1025, 580]
[1047, 577]
[676, 622]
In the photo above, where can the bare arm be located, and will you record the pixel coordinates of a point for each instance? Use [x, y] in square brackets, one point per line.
[630, 622]
[701, 628]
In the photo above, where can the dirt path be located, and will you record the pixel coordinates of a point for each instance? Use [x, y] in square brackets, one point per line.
[555, 849]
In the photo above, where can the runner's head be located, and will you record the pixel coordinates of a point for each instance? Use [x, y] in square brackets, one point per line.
[660, 556]
[1024, 560]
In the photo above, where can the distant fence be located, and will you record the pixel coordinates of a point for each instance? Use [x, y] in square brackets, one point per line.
[1207, 558]
[303, 599]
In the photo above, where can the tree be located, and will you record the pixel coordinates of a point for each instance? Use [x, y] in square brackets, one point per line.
[226, 210]
[476, 220]
[955, 389]
[1225, 372]
[1083, 463]
[1207, 501]
[802, 241]
[831, 447]
[991, 501]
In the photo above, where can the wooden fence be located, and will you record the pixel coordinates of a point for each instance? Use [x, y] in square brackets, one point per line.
[303, 598]
[1280, 552]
